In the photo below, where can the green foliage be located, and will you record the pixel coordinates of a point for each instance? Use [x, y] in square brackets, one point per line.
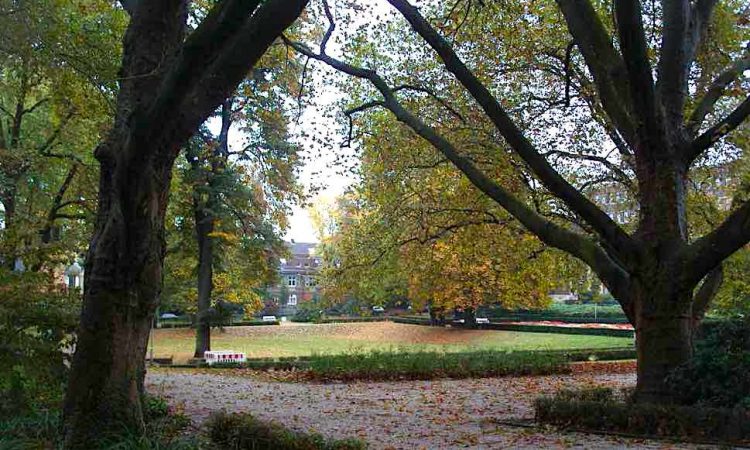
[719, 373]
[37, 319]
[416, 369]
[308, 312]
[165, 430]
[58, 70]
[604, 410]
[733, 299]
[245, 432]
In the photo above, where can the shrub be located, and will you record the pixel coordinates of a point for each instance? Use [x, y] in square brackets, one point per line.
[394, 365]
[308, 312]
[603, 410]
[719, 373]
[243, 431]
[37, 321]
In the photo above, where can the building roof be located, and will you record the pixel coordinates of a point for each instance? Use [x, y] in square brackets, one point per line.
[302, 248]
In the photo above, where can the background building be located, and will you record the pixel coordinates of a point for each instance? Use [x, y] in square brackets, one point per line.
[297, 278]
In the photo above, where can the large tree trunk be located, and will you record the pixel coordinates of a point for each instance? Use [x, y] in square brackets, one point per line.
[664, 335]
[123, 280]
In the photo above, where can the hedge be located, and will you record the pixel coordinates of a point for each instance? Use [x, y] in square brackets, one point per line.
[599, 410]
[495, 362]
[560, 330]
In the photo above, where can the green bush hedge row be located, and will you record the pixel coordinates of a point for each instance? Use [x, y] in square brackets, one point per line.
[560, 330]
[245, 432]
[600, 410]
[395, 364]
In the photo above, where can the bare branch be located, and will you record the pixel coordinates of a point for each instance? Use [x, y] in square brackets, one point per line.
[706, 293]
[715, 91]
[635, 54]
[603, 61]
[703, 255]
[620, 174]
[432, 94]
[35, 106]
[718, 131]
[44, 149]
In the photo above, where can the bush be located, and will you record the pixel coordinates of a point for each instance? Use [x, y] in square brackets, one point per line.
[308, 312]
[603, 410]
[395, 365]
[719, 373]
[243, 431]
[37, 321]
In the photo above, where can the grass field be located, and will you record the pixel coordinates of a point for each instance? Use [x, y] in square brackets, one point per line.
[307, 339]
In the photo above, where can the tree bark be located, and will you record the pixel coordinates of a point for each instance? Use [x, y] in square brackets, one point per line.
[664, 341]
[123, 279]
[159, 106]
[204, 226]
[205, 217]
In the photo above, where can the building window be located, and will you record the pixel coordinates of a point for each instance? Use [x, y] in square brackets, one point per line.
[292, 299]
[291, 281]
[311, 281]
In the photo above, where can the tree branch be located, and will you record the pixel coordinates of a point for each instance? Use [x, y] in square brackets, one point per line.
[35, 106]
[635, 54]
[603, 61]
[129, 6]
[611, 273]
[715, 90]
[432, 94]
[705, 254]
[227, 69]
[223, 24]
[675, 59]
[47, 144]
[718, 131]
[607, 229]
[706, 293]
[622, 177]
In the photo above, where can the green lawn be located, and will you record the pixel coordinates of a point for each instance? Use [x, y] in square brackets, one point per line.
[303, 340]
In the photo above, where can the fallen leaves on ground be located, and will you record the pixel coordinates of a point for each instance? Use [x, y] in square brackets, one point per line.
[436, 414]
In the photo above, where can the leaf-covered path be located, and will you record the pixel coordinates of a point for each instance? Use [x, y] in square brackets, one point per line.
[438, 414]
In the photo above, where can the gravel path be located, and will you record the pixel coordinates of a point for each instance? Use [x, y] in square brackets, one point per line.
[441, 414]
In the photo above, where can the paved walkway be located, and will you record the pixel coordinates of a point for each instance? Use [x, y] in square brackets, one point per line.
[441, 414]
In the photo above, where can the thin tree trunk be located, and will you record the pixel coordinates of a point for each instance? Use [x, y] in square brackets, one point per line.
[205, 212]
[204, 226]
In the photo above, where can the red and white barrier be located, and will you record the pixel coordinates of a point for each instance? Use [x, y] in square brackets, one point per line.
[224, 356]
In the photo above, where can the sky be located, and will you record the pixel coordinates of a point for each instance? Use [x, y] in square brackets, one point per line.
[319, 169]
